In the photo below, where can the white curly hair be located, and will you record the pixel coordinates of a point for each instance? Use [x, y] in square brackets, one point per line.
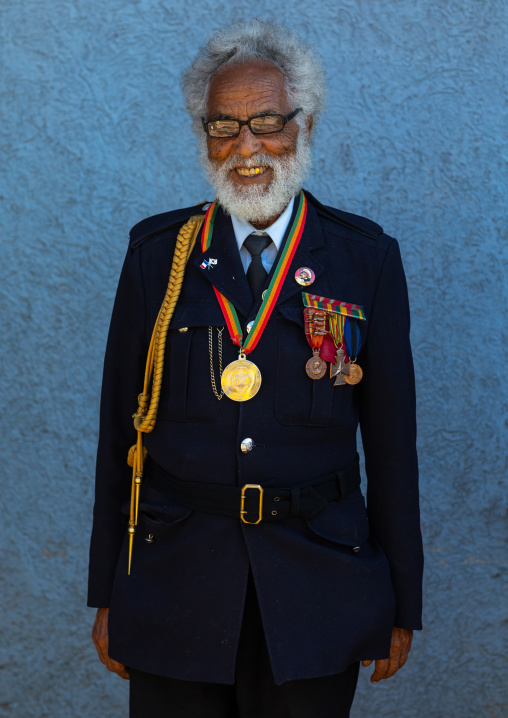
[242, 41]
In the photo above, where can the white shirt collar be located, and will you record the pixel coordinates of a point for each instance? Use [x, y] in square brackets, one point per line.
[276, 230]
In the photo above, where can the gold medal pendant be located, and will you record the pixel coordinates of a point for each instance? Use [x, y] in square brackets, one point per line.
[355, 374]
[241, 379]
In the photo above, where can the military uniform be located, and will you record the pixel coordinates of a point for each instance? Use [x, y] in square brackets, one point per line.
[330, 586]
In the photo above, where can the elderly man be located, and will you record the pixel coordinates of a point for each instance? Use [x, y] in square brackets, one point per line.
[239, 572]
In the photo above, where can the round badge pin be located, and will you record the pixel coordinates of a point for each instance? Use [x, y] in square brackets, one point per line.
[305, 276]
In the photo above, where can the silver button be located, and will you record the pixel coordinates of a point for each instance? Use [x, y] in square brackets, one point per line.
[249, 326]
[247, 445]
[356, 549]
[183, 329]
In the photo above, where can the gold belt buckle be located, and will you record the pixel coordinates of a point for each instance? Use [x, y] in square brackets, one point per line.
[242, 503]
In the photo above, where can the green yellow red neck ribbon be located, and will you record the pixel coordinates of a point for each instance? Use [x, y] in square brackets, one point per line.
[273, 291]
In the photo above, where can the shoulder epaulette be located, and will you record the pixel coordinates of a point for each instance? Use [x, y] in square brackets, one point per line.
[150, 226]
[352, 221]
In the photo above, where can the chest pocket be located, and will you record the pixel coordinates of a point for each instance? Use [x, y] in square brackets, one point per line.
[300, 400]
[187, 393]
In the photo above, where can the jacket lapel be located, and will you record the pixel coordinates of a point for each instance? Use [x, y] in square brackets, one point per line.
[227, 275]
[309, 253]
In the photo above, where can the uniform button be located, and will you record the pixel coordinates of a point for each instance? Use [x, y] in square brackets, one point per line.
[183, 329]
[356, 549]
[247, 445]
[249, 326]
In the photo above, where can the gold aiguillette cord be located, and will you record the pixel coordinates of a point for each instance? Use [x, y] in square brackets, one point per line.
[145, 416]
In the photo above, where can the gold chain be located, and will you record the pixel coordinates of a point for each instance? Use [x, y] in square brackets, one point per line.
[210, 351]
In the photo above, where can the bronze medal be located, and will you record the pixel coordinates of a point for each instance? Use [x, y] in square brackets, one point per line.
[315, 330]
[241, 379]
[355, 374]
[339, 370]
[315, 367]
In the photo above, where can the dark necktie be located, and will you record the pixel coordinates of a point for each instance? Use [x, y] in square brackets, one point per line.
[256, 273]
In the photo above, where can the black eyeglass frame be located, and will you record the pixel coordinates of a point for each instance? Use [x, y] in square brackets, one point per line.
[241, 123]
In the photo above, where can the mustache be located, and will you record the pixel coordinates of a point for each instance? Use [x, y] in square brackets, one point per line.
[254, 161]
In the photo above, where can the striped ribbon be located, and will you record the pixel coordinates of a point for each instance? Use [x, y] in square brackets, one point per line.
[353, 338]
[332, 305]
[336, 325]
[273, 291]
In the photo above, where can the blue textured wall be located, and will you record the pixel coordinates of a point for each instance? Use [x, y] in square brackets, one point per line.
[94, 138]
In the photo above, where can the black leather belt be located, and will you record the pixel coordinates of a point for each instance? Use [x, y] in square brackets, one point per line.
[254, 503]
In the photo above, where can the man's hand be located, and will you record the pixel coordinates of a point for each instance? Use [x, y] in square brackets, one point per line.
[100, 638]
[399, 649]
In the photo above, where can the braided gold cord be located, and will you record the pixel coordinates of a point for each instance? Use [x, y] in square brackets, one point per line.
[144, 419]
[148, 403]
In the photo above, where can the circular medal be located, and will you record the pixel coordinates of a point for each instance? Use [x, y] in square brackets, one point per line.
[241, 379]
[355, 374]
[304, 276]
[315, 367]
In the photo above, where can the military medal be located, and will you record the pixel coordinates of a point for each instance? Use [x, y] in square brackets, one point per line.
[340, 369]
[344, 332]
[353, 341]
[355, 374]
[315, 368]
[315, 329]
[241, 379]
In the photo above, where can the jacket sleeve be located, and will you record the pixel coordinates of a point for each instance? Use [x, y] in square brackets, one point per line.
[124, 366]
[388, 426]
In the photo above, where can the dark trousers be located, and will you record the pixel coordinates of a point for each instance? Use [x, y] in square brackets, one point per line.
[254, 694]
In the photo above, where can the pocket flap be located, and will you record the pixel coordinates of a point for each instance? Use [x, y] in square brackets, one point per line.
[197, 314]
[343, 522]
[156, 521]
[155, 510]
[192, 314]
[293, 312]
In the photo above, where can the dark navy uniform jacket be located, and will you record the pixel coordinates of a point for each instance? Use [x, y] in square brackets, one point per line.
[323, 605]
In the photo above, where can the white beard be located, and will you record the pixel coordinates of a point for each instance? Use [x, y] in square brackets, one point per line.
[255, 203]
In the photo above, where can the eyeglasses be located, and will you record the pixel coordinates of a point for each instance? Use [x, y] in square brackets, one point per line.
[260, 125]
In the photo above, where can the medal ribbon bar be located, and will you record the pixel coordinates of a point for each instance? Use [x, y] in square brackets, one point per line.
[332, 305]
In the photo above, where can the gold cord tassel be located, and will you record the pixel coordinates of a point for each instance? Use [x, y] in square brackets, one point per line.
[145, 416]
